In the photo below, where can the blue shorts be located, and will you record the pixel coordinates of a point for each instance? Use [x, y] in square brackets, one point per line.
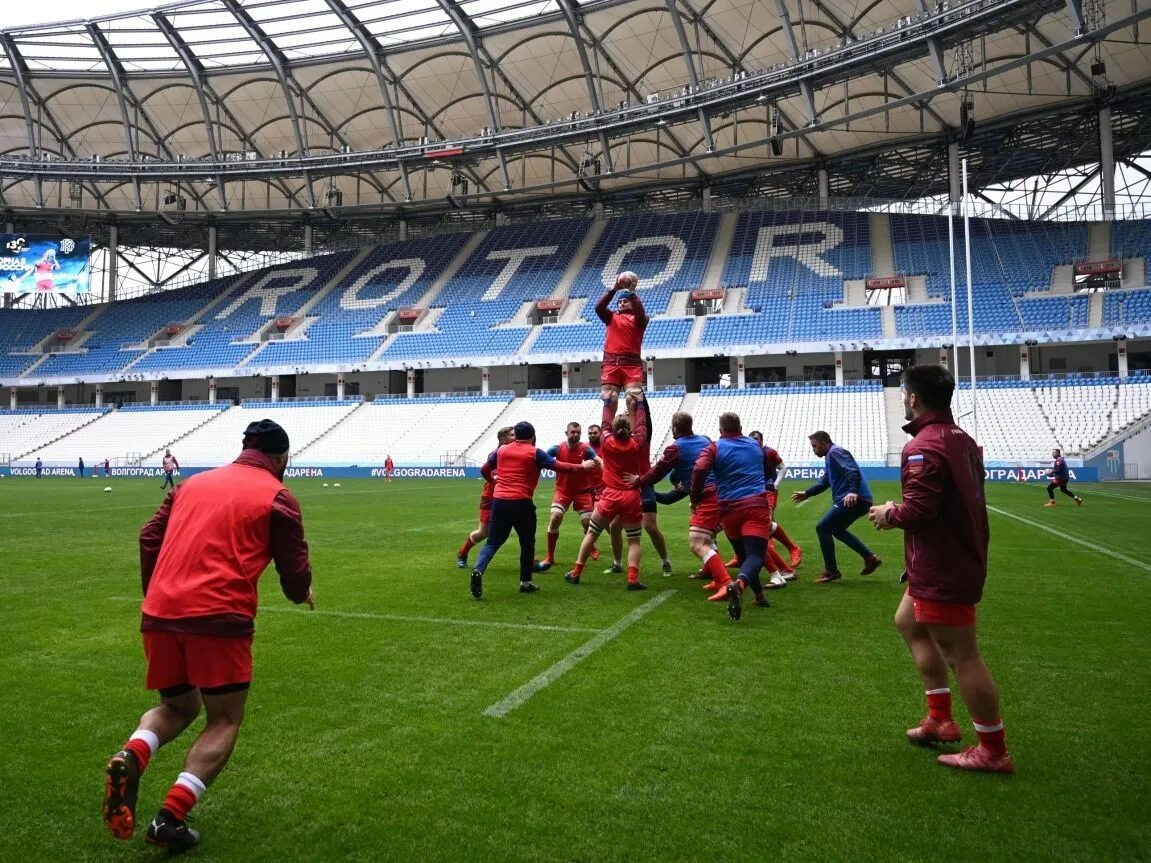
[647, 498]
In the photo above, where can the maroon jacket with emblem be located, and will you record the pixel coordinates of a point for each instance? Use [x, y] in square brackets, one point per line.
[944, 512]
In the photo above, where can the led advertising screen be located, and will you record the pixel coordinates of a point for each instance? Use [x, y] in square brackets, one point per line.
[32, 263]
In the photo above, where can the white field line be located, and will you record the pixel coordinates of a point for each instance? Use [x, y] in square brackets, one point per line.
[517, 698]
[405, 618]
[1063, 535]
[155, 505]
[1093, 493]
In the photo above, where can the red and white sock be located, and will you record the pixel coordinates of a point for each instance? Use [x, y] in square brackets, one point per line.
[991, 735]
[713, 566]
[142, 744]
[939, 704]
[183, 795]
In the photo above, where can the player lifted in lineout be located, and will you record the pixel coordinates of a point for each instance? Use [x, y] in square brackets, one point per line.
[622, 360]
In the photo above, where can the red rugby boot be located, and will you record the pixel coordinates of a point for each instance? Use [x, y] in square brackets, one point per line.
[935, 731]
[979, 758]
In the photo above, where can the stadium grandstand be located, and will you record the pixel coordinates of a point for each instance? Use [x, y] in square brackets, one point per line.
[368, 218]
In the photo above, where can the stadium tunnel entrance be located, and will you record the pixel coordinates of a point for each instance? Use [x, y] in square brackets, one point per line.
[887, 366]
[707, 370]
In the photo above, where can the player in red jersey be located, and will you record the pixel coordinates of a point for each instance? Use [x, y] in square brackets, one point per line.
[503, 436]
[622, 359]
[945, 537]
[201, 557]
[571, 489]
[516, 467]
[621, 453]
[648, 503]
[389, 468]
[595, 478]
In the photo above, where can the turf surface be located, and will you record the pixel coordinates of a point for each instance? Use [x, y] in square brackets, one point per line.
[684, 737]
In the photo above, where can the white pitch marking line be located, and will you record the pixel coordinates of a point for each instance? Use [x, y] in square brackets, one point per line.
[1063, 535]
[520, 696]
[1121, 496]
[404, 618]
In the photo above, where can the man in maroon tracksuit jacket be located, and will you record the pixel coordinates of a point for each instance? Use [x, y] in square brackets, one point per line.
[944, 519]
[201, 557]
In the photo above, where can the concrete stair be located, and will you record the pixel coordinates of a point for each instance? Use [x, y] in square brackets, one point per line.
[896, 436]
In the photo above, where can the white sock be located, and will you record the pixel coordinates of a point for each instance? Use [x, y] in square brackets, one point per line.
[149, 738]
[192, 783]
[711, 552]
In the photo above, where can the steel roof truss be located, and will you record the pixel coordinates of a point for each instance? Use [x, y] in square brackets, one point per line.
[372, 50]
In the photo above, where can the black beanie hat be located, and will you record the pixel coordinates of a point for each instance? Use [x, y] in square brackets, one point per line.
[267, 437]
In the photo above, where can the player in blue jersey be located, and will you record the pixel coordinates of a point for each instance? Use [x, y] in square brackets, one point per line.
[1059, 475]
[736, 462]
[851, 500]
[678, 459]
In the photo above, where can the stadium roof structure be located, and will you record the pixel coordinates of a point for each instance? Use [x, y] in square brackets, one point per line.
[218, 110]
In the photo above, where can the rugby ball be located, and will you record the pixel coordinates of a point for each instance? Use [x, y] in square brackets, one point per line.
[107, 488]
[325, 485]
[336, 484]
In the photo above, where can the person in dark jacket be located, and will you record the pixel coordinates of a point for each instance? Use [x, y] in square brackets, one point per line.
[943, 516]
[201, 557]
[850, 500]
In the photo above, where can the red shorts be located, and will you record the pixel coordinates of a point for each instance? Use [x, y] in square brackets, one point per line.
[943, 613]
[705, 515]
[621, 376]
[748, 521]
[773, 500]
[485, 509]
[581, 502]
[624, 503]
[205, 661]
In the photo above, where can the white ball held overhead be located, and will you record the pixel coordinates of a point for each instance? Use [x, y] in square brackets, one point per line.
[627, 280]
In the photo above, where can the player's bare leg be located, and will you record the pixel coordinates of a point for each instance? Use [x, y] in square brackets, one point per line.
[162, 724]
[207, 757]
[702, 544]
[553, 535]
[476, 537]
[585, 520]
[615, 534]
[609, 393]
[634, 555]
[981, 695]
[658, 540]
[587, 544]
[938, 726]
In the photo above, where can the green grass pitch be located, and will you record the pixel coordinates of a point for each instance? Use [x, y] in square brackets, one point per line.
[684, 737]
